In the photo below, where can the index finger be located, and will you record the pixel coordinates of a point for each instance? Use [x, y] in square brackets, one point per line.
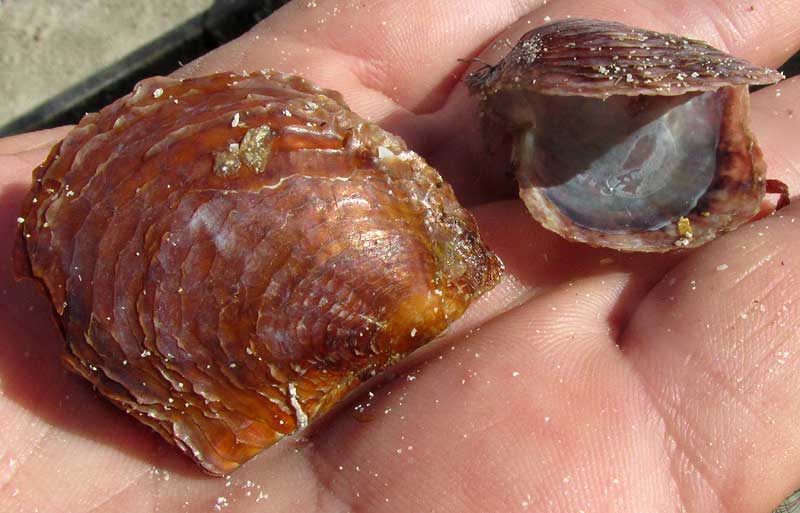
[390, 56]
[381, 54]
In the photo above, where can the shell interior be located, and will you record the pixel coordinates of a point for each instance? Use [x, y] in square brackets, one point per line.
[623, 164]
[624, 137]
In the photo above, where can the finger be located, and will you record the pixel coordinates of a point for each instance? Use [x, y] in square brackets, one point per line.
[15, 179]
[384, 55]
[766, 34]
[776, 121]
[381, 55]
[32, 140]
[716, 344]
[19, 155]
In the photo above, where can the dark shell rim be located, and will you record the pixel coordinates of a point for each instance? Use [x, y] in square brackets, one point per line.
[525, 66]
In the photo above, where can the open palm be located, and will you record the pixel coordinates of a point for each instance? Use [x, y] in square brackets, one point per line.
[588, 380]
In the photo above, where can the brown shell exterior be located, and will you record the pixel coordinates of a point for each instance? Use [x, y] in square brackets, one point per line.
[228, 256]
[603, 58]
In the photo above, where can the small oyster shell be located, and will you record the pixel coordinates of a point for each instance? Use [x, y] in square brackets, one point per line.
[228, 256]
[627, 138]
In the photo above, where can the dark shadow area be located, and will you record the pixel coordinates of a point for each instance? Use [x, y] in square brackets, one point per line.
[792, 67]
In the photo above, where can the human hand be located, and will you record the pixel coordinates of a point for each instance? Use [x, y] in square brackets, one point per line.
[589, 380]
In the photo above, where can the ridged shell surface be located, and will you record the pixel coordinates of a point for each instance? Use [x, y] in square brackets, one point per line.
[228, 256]
[604, 58]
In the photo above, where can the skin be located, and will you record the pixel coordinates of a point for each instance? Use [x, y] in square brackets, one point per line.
[588, 381]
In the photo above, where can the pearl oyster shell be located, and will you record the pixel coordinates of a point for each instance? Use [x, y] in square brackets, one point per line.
[228, 256]
[627, 138]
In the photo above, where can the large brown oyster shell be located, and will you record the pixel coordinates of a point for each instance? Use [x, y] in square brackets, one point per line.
[228, 256]
[627, 138]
